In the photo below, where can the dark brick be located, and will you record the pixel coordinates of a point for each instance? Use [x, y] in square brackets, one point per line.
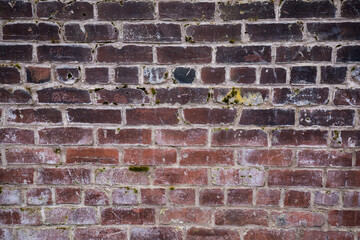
[274, 32]
[346, 138]
[245, 75]
[303, 54]
[128, 10]
[311, 158]
[22, 53]
[16, 136]
[38, 74]
[267, 117]
[67, 195]
[16, 96]
[122, 96]
[150, 233]
[306, 9]
[335, 31]
[243, 54]
[63, 95]
[31, 31]
[64, 53]
[127, 75]
[196, 233]
[100, 233]
[290, 137]
[295, 178]
[241, 217]
[245, 96]
[295, 198]
[344, 218]
[139, 216]
[273, 76]
[95, 197]
[211, 197]
[243, 11]
[92, 33]
[152, 116]
[348, 54]
[333, 75]
[152, 33]
[65, 11]
[190, 11]
[350, 9]
[124, 136]
[127, 54]
[328, 235]
[209, 116]
[83, 115]
[303, 75]
[9, 75]
[183, 55]
[239, 137]
[347, 97]
[16, 9]
[188, 137]
[326, 118]
[34, 116]
[66, 136]
[214, 33]
[184, 75]
[182, 95]
[16, 176]
[240, 196]
[212, 75]
[301, 97]
[97, 75]
[68, 75]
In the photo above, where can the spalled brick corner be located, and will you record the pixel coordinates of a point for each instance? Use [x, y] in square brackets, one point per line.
[180, 120]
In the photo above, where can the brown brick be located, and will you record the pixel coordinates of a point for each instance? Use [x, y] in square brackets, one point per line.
[138, 216]
[38, 74]
[129, 10]
[83, 115]
[252, 10]
[16, 136]
[214, 33]
[92, 155]
[149, 156]
[16, 176]
[63, 176]
[346, 138]
[182, 196]
[240, 196]
[122, 96]
[100, 233]
[31, 31]
[153, 196]
[239, 137]
[298, 219]
[303, 54]
[42, 234]
[34, 116]
[238, 177]
[160, 32]
[196, 233]
[241, 217]
[20, 216]
[10, 196]
[312, 158]
[327, 198]
[183, 55]
[243, 54]
[329, 235]
[67, 195]
[124, 136]
[95, 197]
[92, 33]
[344, 218]
[186, 137]
[186, 215]
[298, 199]
[126, 54]
[63, 95]
[96, 75]
[152, 116]
[305, 9]
[32, 156]
[343, 179]
[178, 176]
[209, 157]
[125, 196]
[65, 11]
[263, 234]
[268, 197]
[211, 197]
[290, 137]
[176, 10]
[70, 216]
[295, 178]
[64, 53]
[121, 176]
[265, 157]
[16, 96]
[39, 196]
[351, 199]
[9, 75]
[65, 135]
[137, 233]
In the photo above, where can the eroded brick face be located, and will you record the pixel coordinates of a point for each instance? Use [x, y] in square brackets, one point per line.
[180, 120]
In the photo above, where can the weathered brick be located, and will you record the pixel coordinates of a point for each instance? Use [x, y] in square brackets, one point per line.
[183, 55]
[243, 54]
[239, 137]
[305, 9]
[10, 196]
[343, 31]
[124, 196]
[124, 136]
[273, 76]
[97, 75]
[209, 115]
[95, 197]
[238, 177]
[303, 54]
[100, 233]
[298, 199]
[65, 11]
[16, 136]
[138, 216]
[346, 138]
[303, 75]
[152, 116]
[240, 196]
[182, 196]
[17, 52]
[326, 198]
[267, 117]
[66, 136]
[274, 32]
[351, 199]
[20, 216]
[129, 10]
[210, 157]
[186, 215]
[122, 96]
[68, 75]
[333, 75]
[153, 196]
[295, 178]
[121, 176]
[31, 31]
[350, 9]
[70, 216]
[9, 75]
[181, 95]
[347, 97]
[91, 33]
[186, 137]
[329, 235]
[312, 158]
[34, 116]
[178, 176]
[214, 33]
[210, 75]
[155, 75]
[14, 97]
[268, 197]
[298, 219]
[43, 234]
[63, 95]
[149, 156]
[343, 179]
[348, 54]
[67, 195]
[327, 118]
[32, 156]
[344, 218]
[244, 75]
[83, 115]
[126, 54]
[127, 75]
[196, 233]
[252, 10]
[38, 74]
[92, 155]
[211, 197]
[17, 9]
[301, 97]
[63, 176]
[241, 217]
[265, 157]
[189, 11]
[290, 137]
[149, 233]
[64, 53]
[160, 32]
[259, 234]
[39, 196]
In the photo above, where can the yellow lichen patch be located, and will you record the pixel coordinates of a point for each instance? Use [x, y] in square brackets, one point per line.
[235, 96]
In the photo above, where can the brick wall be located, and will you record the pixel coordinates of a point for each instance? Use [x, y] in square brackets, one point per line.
[180, 120]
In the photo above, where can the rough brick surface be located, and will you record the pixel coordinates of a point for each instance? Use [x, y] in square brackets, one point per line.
[180, 119]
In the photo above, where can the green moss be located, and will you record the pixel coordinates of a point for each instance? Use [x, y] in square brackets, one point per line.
[336, 135]
[143, 89]
[166, 75]
[98, 89]
[57, 151]
[0, 189]
[171, 188]
[105, 103]
[189, 39]
[139, 169]
[231, 41]
[157, 102]
[153, 91]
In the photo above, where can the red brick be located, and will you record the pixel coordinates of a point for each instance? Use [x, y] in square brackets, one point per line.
[183, 55]
[31, 31]
[64, 53]
[326, 198]
[32, 156]
[267, 117]
[121, 176]
[244, 75]
[66, 135]
[39, 196]
[348, 54]
[182, 196]
[301, 97]
[238, 177]
[242, 11]
[268, 197]
[9, 75]
[343, 179]
[239, 137]
[70, 216]
[63, 176]
[100, 233]
[290, 137]
[67, 195]
[211, 197]
[298, 219]
[18, 9]
[240, 196]
[344, 218]
[326, 118]
[141, 156]
[124, 136]
[126, 54]
[181, 95]
[265, 157]
[96, 75]
[304, 9]
[357, 159]
[274, 32]
[152, 116]
[149, 233]
[20, 216]
[38, 75]
[92, 155]
[206, 157]
[214, 33]
[138, 216]
[127, 75]
[209, 115]
[129, 10]
[329, 235]
[188, 137]
[347, 97]
[43, 234]
[295, 198]
[264, 234]
[351, 199]
[63, 95]
[10, 196]
[65, 11]
[196, 233]
[122, 96]
[179, 176]
[295, 178]
[346, 139]
[16, 176]
[243, 54]
[153, 196]
[17, 52]
[94, 197]
[125, 196]
[34, 116]
[16, 136]
[189, 11]
[211, 75]
[241, 217]
[273, 76]
[185, 215]
[160, 32]
[83, 115]
[92, 33]
[303, 54]
[311, 158]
